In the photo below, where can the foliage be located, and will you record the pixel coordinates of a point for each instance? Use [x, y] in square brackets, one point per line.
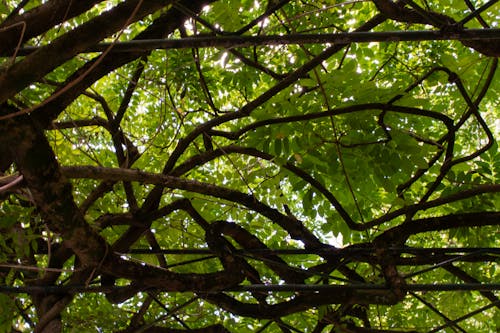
[212, 187]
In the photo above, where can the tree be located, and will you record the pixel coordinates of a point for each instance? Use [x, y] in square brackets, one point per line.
[246, 166]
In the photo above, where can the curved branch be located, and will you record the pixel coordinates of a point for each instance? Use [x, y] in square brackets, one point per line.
[335, 112]
[477, 190]
[300, 302]
[399, 234]
[217, 328]
[210, 155]
[249, 241]
[293, 226]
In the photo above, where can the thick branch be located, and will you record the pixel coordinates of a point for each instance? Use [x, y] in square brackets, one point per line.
[44, 60]
[39, 20]
[301, 302]
[400, 233]
[398, 12]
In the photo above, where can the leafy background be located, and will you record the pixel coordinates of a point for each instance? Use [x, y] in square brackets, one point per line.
[369, 125]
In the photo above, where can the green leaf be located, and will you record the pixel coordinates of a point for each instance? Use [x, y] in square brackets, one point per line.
[307, 201]
[7, 313]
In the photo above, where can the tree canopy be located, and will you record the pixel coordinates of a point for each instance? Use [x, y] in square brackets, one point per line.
[249, 166]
